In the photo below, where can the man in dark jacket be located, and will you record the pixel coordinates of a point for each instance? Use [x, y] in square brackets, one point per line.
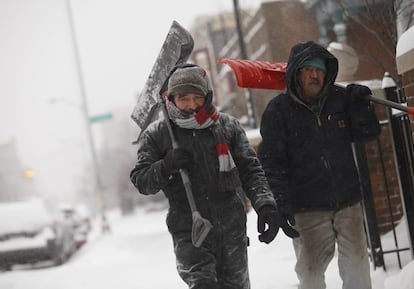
[214, 150]
[307, 154]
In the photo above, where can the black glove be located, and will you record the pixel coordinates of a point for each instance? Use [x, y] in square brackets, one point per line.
[177, 159]
[270, 216]
[357, 94]
[287, 220]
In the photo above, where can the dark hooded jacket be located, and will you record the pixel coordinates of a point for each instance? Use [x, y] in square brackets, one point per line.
[225, 210]
[306, 149]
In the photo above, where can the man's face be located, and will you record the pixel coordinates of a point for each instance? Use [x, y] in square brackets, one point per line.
[311, 80]
[189, 103]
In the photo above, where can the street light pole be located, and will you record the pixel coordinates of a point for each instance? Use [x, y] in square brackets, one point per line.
[85, 109]
[243, 54]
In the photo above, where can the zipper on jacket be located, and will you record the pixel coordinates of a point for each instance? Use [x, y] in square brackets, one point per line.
[325, 162]
[319, 120]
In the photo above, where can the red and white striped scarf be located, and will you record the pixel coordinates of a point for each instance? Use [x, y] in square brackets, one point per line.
[206, 117]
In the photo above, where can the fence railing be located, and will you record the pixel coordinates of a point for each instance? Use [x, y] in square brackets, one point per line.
[403, 150]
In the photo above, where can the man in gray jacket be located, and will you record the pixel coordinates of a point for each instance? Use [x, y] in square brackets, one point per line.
[215, 152]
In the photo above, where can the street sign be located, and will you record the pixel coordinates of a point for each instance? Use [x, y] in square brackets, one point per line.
[100, 117]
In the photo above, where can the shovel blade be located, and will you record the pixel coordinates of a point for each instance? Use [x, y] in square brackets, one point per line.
[257, 73]
[176, 49]
[200, 229]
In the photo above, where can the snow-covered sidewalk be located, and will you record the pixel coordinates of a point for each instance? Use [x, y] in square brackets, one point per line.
[139, 254]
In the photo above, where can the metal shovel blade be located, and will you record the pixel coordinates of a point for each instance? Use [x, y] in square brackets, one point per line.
[176, 48]
[200, 229]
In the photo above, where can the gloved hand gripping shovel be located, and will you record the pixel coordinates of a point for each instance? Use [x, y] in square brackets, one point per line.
[201, 226]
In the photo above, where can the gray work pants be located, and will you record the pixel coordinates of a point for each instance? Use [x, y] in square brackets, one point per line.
[315, 248]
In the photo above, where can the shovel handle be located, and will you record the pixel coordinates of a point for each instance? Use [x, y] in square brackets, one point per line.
[188, 190]
[183, 173]
[407, 109]
[201, 226]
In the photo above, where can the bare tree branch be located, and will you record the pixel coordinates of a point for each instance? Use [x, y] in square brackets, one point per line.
[383, 20]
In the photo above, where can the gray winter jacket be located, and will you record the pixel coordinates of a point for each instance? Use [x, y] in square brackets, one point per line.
[148, 177]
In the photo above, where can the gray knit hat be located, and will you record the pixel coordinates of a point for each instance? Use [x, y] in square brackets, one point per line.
[191, 79]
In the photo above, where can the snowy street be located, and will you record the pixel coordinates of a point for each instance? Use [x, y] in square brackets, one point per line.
[139, 254]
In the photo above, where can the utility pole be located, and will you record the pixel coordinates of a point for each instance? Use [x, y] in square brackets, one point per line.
[243, 54]
[85, 109]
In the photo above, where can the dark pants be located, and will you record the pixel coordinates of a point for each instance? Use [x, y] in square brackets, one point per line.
[219, 263]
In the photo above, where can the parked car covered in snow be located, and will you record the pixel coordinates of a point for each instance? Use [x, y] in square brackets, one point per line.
[30, 232]
[79, 218]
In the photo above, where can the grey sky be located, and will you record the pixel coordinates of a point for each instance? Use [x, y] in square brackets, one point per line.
[118, 43]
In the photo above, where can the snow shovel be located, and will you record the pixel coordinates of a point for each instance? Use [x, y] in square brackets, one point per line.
[201, 227]
[176, 49]
[271, 75]
[408, 109]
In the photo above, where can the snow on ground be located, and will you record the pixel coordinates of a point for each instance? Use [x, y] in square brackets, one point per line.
[138, 253]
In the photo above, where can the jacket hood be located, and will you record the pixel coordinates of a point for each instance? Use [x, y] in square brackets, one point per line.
[302, 52]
